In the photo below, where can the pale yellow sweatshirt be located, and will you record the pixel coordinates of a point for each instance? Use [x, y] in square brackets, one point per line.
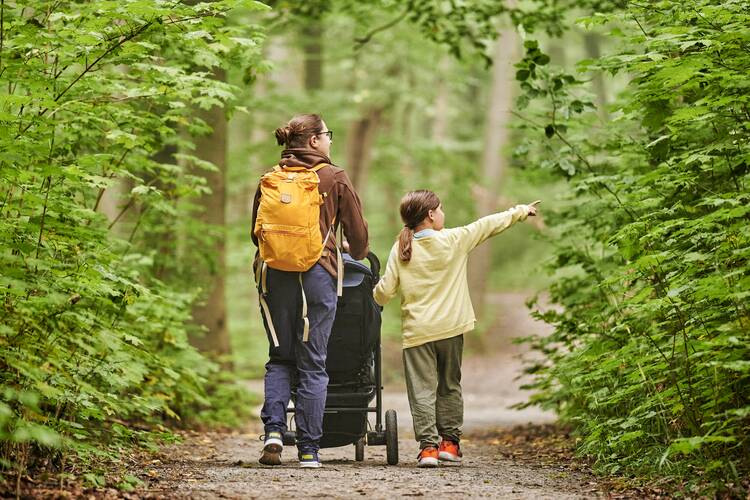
[435, 301]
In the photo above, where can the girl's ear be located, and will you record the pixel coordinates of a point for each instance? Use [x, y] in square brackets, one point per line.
[431, 215]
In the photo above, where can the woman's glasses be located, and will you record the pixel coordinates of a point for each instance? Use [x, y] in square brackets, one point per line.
[329, 133]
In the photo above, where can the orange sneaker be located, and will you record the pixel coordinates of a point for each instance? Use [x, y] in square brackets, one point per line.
[428, 457]
[450, 451]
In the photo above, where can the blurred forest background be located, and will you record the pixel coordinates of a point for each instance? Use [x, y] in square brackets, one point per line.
[134, 134]
[406, 114]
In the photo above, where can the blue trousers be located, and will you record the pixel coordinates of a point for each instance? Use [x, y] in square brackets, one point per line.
[295, 360]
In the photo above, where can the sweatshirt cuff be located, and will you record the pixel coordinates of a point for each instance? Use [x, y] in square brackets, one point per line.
[524, 211]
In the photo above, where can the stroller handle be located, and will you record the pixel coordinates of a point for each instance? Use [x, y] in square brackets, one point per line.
[374, 266]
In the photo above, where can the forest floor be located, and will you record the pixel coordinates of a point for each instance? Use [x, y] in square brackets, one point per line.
[507, 453]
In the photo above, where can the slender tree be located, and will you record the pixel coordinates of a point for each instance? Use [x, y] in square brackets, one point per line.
[497, 120]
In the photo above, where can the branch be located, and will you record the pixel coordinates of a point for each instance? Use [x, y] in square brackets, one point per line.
[2, 30]
[578, 155]
[191, 18]
[102, 56]
[88, 68]
[591, 170]
[362, 41]
[123, 40]
[7, 198]
[130, 203]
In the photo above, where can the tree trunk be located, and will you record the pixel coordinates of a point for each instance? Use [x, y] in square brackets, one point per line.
[496, 134]
[164, 238]
[211, 313]
[360, 140]
[591, 43]
[442, 104]
[312, 45]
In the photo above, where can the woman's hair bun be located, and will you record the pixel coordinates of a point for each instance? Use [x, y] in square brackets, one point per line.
[282, 135]
[298, 131]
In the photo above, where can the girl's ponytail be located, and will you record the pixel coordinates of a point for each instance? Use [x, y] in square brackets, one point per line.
[415, 206]
[404, 244]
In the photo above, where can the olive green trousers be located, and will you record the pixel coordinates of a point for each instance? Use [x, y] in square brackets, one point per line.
[433, 384]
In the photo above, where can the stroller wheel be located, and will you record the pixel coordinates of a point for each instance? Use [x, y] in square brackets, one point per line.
[391, 437]
[290, 438]
[359, 450]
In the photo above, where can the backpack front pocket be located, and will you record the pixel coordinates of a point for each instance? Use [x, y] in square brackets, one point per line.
[286, 247]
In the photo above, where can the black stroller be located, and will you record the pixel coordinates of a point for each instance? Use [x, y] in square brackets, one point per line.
[354, 369]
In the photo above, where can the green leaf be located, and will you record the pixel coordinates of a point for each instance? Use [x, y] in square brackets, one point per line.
[522, 75]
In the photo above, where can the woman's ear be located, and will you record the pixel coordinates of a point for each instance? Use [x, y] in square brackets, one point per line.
[313, 141]
[431, 215]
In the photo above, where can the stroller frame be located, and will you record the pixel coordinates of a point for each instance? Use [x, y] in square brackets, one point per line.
[386, 429]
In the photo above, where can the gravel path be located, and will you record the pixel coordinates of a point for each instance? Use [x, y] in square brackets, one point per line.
[225, 465]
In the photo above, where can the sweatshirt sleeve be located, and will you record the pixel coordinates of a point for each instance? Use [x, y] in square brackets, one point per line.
[387, 287]
[470, 236]
[256, 204]
[350, 212]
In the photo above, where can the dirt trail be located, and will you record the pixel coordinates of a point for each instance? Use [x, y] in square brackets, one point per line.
[225, 465]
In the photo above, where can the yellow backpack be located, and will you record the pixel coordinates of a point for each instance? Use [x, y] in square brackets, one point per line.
[288, 230]
[288, 221]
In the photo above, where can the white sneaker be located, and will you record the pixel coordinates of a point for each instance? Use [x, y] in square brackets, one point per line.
[309, 460]
[273, 445]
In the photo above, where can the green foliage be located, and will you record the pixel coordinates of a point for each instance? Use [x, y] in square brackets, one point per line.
[91, 341]
[649, 355]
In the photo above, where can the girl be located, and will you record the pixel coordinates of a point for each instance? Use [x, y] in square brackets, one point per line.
[428, 267]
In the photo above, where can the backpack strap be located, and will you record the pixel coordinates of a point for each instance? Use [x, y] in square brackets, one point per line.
[339, 264]
[339, 257]
[306, 328]
[262, 292]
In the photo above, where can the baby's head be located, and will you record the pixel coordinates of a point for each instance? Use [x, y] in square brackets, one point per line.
[420, 209]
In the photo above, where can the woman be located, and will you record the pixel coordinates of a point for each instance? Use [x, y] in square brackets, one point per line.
[307, 142]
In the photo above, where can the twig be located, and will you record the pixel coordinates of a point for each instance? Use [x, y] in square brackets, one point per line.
[101, 191]
[191, 18]
[137, 224]
[129, 204]
[44, 215]
[639, 25]
[100, 195]
[122, 212]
